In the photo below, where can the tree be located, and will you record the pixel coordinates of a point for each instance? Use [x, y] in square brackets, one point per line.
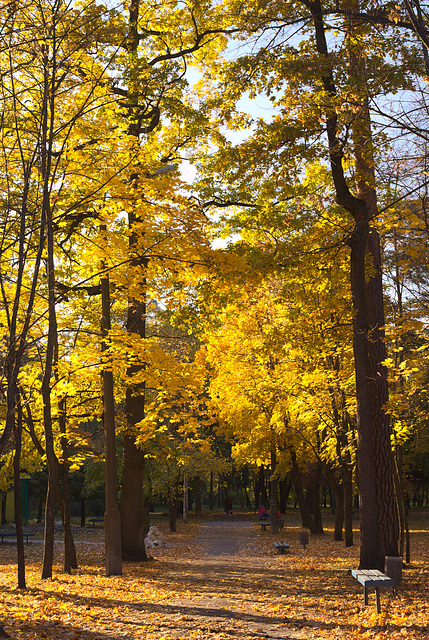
[314, 91]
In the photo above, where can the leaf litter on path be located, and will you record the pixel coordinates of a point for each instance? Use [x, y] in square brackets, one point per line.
[213, 580]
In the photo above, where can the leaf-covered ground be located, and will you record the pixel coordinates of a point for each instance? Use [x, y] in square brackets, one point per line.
[220, 578]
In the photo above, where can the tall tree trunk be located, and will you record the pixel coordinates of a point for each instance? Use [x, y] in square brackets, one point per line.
[70, 558]
[257, 491]
[296, 477]
[285, 487]
[133, 515]
[198, 505]
[134, 520]
[338, 489]
[17, 492]
[173, 502]
[274, 505]
[373, 440]
[348, 509]
[3, 519]
[112, 516]
[211, 492]
[262, 487]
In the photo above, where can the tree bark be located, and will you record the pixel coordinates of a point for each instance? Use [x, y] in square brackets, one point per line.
[112, 516]
[17, 499]
[274, 505]
[70, 558]
[296, 477]
[134, 517]
[373, 434]
[198, 505]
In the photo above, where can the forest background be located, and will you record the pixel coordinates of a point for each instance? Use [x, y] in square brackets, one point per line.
[299, 344]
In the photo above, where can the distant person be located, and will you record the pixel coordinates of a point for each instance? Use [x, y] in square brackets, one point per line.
[228, 505]
[263, 513]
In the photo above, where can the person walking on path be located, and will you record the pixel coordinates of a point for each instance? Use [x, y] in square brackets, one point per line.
[228, 505]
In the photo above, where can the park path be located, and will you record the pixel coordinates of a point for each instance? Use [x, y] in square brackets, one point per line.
[231, 585]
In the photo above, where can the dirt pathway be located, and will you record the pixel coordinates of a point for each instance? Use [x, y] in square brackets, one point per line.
[229, 585]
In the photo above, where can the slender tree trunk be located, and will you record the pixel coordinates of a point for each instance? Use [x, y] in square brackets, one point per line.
[82, 512]
[51, 457]
[257, 492]
[339, 512]
[262, 487]
[274, 505]
[198, 505]
[173, 502]
[112, 516]
[211, 492]
[70, 558]
[17, 492]
[348, 509]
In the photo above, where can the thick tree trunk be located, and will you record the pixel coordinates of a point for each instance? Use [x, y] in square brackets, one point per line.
[371, 554]
[373, 434]
[388, 513]
[284, 487]
[133, 515]
[296, 477]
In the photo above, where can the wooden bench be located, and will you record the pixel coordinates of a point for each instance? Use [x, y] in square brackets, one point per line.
[267, 523]
[11, 534]
[372, 578]
[281, 546]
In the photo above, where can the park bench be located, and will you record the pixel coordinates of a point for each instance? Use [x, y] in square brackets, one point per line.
[267, 523]
[95, 520]
[281, 546]
[12, 534]
[372, 578]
